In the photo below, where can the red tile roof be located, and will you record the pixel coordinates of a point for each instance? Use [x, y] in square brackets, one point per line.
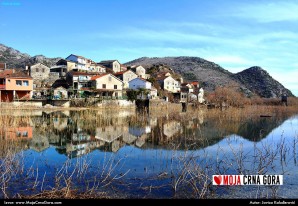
[195, 83]
[97, 76]
[11, 73]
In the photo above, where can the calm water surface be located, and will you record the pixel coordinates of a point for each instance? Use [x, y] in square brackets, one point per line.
[149, 156]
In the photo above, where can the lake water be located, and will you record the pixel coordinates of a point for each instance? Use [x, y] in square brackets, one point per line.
[132, 155]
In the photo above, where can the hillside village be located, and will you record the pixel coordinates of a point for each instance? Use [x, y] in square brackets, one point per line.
[79, 77]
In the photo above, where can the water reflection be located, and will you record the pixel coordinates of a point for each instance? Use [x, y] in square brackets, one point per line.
[154, 146]
[76, 133]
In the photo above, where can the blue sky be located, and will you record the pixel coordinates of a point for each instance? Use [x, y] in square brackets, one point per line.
[234, 34]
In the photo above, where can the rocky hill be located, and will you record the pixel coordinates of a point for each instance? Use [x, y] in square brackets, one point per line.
[260, 82]
[208, 73]
[211, 75]
[15, 59]
[251, 81]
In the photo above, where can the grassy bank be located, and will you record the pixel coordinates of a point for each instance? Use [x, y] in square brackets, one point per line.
[193, 179]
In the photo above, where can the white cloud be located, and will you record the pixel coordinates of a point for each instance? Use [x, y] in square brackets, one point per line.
[269, 12]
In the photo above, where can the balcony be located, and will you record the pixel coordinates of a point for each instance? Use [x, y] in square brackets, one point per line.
[2, 86]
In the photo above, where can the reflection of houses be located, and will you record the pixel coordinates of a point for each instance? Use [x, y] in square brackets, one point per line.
[39, 143]
[139, 131]
[111, 136]
[17, 133]
[60, 123]
[80, 144]
[15, 85]
[171, 128]
[141, 140]
[139, 135]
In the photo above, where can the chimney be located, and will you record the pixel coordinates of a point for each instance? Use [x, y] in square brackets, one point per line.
[28, 70]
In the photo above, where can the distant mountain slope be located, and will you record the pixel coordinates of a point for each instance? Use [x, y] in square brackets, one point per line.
[15, 59]
[260, 82]
[208, 73]
[254, 80]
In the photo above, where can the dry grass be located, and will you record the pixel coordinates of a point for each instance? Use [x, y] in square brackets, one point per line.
[193, 177]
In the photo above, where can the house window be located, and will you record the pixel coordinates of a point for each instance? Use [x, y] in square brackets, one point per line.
[25, 83]
[116, 94]
[18, 82]
[37, 70]
[115, 86]
[104, 86]
[25, 134]
[42, 69]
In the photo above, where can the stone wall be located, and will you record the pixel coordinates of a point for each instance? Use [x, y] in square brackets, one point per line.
[39, 72]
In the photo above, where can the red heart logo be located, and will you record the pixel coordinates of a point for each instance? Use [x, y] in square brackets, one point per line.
[217, 179]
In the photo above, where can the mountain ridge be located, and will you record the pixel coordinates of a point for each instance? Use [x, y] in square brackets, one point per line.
[253, 80]
[16, 59]
[212, 75]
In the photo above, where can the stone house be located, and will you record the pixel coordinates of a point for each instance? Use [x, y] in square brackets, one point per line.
[126, 76]
[39, 72]
[43, 79]
[60, 93]
[114, 65]
[139, 70]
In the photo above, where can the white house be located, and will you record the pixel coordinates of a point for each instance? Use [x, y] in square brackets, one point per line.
[107, 85]
[139, 83]
[171, 85]
[139, 70]
[126, 76]
[79, 60]
[111, 64]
